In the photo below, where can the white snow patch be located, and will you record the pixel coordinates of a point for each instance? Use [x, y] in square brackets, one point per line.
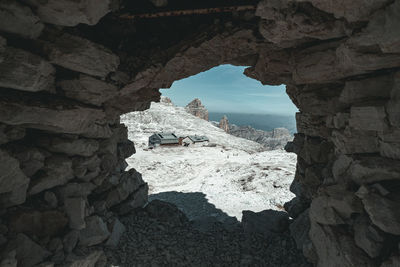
[235, 175]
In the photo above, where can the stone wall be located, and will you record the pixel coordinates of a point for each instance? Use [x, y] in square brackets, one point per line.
[65, 77]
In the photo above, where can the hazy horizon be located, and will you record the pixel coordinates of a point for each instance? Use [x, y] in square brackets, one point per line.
[226, 89]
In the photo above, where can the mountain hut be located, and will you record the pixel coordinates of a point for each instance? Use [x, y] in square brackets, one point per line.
[197, 140]
[163, 139]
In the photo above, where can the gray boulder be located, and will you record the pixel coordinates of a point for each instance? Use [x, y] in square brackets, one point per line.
[78, 54]
[380, 28]
[71, 13]
[117, 229]
[10, 133]
[13, 182]
[365, 89]
[335, 248]
[88, 90]
[72, 147]
[25, 71]
[51, 199]
[136, 200]
[76, 210]
[381, 210]
[19, 19]
[334, 205]
[70, 240]
[388, 145]
[31, 158]
[129, 183]
[369, 118]
[57, 171]
[28, 253]
[72, 119]
[374, 169]
[86, 168]
[287, 29]
[368, 237]
[96, 231]
[351, 141]
[75, 190]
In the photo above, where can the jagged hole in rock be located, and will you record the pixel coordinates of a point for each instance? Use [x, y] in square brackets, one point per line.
[69, 69]
[228, 168]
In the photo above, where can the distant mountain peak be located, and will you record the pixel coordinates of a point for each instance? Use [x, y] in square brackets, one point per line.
[166, 100]
[224, 124]
[195, 103]
[197, 109]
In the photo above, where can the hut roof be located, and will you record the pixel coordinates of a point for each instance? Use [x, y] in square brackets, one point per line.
[198, 138]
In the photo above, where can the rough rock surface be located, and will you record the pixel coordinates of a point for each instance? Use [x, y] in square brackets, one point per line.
[69, 69]
[71, 13]
[28, 253]
[224, 124]
[25, 71]
[172, 240]
[82, 55]
[95, 232]
[13, 182]
[197, 109]
[88, 90]
[19, 19]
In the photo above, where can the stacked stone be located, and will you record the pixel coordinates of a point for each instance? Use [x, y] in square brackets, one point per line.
[340, 64]
[63, 182]
[348, 169]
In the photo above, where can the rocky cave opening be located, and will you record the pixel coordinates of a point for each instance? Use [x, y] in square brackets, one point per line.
[225, 168]
[69, 69]
[231, 189]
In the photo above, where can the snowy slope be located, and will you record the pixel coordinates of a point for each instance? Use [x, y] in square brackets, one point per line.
[235, 175]
[163, 117]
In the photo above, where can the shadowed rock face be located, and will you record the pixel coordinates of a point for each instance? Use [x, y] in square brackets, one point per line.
[67, 76]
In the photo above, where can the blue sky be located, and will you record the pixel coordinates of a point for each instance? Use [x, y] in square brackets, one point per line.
[226, 89]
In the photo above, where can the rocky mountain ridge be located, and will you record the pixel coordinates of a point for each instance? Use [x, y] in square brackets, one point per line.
[275, 139]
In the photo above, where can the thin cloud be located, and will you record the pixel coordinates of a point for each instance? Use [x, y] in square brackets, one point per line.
[265, 95]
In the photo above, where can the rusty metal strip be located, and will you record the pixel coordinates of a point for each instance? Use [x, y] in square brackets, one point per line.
[202, 11]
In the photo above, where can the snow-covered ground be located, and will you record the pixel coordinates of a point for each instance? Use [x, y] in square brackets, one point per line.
[234, 175]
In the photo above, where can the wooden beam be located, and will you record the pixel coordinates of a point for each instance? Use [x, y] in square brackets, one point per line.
[185, 12]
